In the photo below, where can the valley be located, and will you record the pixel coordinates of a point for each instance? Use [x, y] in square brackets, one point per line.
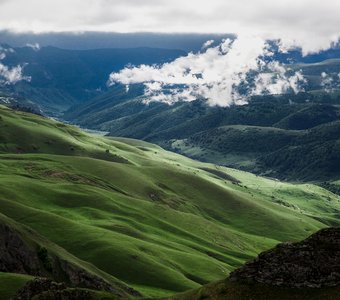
[119, 208]
[275, 136]
[108, 192]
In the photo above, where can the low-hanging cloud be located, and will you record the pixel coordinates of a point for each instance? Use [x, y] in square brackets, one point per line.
[222, 75]
[35, 46]
[330, 81]
[10, 75]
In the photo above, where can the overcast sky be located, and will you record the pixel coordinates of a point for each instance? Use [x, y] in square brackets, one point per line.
[311, 23]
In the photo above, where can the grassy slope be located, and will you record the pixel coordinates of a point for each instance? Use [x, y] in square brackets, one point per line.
[307, 155]
[151, 218]
[213, 134]
[10, 283]
[35, 241]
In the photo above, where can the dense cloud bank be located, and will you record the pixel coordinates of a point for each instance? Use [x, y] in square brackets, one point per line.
[223, 75]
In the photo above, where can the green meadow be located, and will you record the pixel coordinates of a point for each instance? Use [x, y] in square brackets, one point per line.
[135, 213]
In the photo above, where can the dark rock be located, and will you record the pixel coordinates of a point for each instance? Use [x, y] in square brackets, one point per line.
[67, 294]
[15, 255]
[47, 289]
[314, 263]
[78, 277]
[36, 287]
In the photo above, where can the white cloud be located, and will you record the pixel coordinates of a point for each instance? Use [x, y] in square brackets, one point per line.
[207, 44]
[10, 75]
[223, 75]
[330, 81]
[35, 46]
[312, 24]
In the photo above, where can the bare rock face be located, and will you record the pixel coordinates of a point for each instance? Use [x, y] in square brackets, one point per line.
[314, 263]
[15, 255]
[67, 294]
[80, 278]
[36, 287]
[46, 289]
[18, 256]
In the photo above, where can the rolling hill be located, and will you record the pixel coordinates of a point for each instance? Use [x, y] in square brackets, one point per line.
[136, 216]
[276, 136]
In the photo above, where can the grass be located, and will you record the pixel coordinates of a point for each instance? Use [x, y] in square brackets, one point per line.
[157, 221]
[10, 283]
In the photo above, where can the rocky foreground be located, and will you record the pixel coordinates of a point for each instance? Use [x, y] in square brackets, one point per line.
[307, 270]
[314, 263]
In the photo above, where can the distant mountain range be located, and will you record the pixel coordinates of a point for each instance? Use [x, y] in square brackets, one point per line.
[62, 78]
[99, 40]
[277, 136]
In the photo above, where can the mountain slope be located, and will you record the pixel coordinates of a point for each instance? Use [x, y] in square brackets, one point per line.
[62, 78]
[275, 136]
[305, 270]
[23, 251]
[157, 221]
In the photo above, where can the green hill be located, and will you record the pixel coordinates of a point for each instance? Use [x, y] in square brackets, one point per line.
[276, 136]
[130, 212]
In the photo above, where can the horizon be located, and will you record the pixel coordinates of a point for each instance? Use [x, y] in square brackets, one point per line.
[287, 21]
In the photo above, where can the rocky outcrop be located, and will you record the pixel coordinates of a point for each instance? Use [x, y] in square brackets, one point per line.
[24, 256]
[80, 278]
[67, 294]
[36, 287]
[314, 263]
[46, 289]
[16, 255]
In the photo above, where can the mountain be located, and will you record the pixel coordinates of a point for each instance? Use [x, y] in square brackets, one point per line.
[305, 270]
[132, 216]
[290, 137]
[62, 78]
[93, 40]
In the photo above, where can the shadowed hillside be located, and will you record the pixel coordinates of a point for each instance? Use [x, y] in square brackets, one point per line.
[157, 221]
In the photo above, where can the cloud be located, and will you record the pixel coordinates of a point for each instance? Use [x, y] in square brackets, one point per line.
[10, 75]
[330, 81]
[207, 44]
[311, 24]
[35, 46]
[223, 75]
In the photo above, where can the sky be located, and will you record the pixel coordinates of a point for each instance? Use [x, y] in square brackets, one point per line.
[312, 24]
[218, 73]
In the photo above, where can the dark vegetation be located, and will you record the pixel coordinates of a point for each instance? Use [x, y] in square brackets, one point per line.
[290, 137]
